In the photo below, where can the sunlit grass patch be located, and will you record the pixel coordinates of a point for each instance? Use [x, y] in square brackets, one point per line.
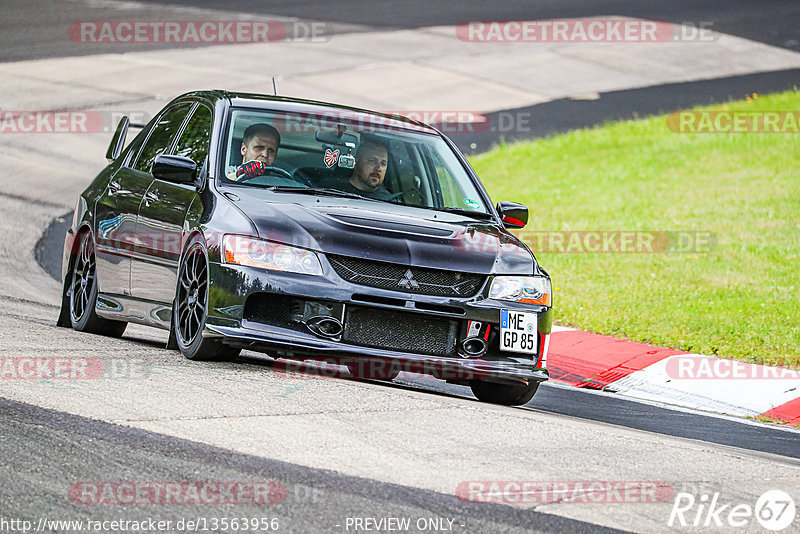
[739, 299]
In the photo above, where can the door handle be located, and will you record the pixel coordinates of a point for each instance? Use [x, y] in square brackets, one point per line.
[113, 188]
[149, 198]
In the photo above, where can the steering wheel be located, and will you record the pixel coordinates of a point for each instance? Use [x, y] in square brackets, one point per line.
[411, 197]
[267, 170]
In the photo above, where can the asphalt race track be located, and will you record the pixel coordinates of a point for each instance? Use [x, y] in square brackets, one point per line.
[553, 398]
[67, 443]
[335, 452]
[776, 26]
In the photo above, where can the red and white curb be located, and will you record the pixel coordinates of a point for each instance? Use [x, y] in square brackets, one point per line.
[694, 381]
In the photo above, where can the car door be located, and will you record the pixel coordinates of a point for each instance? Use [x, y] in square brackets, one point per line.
[115, 216]
[118, 241]
[154, 274]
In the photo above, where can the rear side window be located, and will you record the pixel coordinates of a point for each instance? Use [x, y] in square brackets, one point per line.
[195, 138]
[161, 136]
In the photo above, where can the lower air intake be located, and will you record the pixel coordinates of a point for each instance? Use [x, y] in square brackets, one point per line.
[401, 331]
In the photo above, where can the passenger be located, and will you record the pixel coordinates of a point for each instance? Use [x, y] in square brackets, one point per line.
[260, 144]
[367, 178]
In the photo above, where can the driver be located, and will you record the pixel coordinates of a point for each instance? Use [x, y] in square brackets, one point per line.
[260, 143]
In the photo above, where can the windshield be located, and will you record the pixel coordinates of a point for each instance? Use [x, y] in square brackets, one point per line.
[272, 149]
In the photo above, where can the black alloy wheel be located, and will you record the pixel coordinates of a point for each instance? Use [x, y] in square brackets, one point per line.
[190, 310]
[83, 293]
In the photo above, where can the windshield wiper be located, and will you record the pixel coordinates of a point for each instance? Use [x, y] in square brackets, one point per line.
[321, 191]
[468, 213]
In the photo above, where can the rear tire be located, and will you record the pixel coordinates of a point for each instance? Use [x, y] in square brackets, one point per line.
[83, 293]
[190, 311]
[505, 394]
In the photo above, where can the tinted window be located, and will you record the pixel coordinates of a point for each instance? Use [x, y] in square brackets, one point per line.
[194, 140]
[323, 150]
[162, 135]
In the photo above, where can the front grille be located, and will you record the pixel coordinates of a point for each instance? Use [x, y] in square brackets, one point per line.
[405, 278]
[402, 331]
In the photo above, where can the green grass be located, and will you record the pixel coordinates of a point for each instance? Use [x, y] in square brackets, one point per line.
[765, 419]
[740, 300]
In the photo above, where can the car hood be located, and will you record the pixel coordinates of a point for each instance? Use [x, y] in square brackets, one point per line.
[386, 232]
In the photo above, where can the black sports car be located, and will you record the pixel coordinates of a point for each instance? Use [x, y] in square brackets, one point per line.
[309, 231]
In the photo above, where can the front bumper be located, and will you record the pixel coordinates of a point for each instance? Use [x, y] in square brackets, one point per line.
[295, 345]
[227, 320]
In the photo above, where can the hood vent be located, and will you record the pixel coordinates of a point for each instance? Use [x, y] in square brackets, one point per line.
[401, 227]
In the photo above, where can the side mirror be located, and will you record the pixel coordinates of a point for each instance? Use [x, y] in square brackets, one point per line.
[118, 140]
[513, 214]
[176, 169]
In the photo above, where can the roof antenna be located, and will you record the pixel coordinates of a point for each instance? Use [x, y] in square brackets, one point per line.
[274, 87]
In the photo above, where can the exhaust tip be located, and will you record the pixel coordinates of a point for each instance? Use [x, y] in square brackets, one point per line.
[473, 347]
[325, 326]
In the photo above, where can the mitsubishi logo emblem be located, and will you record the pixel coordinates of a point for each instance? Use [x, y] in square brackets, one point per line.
[408, 282]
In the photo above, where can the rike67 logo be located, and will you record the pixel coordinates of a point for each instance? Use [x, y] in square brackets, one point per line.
[774, 510]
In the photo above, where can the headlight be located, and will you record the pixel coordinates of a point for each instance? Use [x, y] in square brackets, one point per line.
[251, 252]
[527, 289]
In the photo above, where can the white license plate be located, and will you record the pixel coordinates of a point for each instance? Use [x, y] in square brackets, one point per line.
[518, 331]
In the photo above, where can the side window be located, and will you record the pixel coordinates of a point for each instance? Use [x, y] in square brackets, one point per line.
[162, 135]
[195, 138]
[452, 192]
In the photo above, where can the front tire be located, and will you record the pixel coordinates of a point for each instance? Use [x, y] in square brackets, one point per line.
[83, 293]
[190, 311]
[505, 394]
